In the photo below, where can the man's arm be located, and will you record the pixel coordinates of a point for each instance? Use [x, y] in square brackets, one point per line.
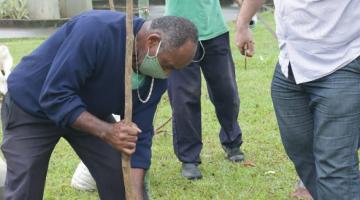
[119, 135]
[243, 35]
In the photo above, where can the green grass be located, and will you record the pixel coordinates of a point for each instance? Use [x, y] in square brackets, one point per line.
[222, 179]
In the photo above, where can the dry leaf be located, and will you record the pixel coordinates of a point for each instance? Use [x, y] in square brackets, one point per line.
[249, 163]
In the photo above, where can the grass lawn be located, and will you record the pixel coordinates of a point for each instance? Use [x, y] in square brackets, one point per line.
[222, 179]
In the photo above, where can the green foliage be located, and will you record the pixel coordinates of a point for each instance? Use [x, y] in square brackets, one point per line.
[222, 179]
[13, 9]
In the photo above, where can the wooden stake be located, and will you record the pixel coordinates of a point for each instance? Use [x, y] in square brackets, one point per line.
[128, 95]
[112, 5]
[143, 7]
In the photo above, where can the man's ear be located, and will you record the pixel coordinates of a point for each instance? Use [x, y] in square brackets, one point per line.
[153, 39]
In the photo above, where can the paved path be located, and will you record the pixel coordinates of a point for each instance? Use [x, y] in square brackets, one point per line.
[25, 32]
[155, 11]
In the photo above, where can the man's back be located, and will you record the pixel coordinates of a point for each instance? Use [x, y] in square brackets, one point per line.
[58, 80]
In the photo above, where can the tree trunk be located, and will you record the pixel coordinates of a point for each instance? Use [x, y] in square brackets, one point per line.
[40, 9]
[70, 8]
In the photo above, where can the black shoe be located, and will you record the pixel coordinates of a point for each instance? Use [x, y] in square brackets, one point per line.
[234, 154]
[190, 171]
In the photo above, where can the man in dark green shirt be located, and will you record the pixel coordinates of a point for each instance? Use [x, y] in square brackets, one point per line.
[214, 59]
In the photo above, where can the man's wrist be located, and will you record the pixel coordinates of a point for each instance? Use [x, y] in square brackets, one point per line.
[105, 131]
[242, 25]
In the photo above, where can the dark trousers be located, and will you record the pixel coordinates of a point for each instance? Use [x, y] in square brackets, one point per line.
[319, 123]
[184, 88]
[28, 142]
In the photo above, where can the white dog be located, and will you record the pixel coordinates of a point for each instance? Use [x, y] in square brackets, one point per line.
[6, 62]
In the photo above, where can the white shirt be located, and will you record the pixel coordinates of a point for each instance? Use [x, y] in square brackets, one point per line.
[317, 37]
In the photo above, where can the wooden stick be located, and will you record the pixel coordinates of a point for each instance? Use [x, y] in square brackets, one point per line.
[112, 5]
[158, 129]
[126, 167]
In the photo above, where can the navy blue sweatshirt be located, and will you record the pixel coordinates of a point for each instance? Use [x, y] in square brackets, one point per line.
[81, 67]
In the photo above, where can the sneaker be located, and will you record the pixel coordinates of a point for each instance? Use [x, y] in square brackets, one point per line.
[234, 154]
[190, 171]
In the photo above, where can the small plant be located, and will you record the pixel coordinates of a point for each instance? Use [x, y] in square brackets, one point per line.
[13, 9]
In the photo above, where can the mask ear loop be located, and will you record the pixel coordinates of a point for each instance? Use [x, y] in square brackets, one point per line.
[203, 55]
[137, 76]
[157, 51]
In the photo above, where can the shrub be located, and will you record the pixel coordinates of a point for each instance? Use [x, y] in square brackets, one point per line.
[13, 9]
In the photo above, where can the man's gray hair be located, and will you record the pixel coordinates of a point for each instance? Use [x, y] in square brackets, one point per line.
[175, 31]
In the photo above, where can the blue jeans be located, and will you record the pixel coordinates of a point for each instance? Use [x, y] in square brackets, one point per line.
[319, 123]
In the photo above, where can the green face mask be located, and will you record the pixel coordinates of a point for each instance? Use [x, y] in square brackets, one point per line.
[137, 80]
[151, 66]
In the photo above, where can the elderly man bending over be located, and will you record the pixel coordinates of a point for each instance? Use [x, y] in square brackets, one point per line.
[72, 84]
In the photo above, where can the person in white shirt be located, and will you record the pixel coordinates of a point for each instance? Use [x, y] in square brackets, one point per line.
[6, 62]
[316, 90]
